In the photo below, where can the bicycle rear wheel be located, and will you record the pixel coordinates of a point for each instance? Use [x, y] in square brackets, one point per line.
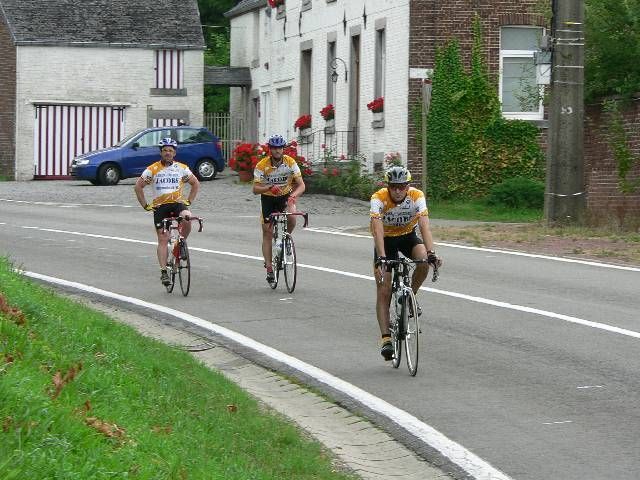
[289, 262]
[395, 327]
[275, 264]
[412, 331]
[184, 268]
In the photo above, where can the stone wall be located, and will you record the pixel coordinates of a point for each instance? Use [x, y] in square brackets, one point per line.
[7, 103]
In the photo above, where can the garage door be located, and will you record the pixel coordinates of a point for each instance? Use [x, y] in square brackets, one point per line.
[63, 132]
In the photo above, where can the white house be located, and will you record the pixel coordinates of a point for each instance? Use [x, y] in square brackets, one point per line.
[294, 49]
[79, 75]
[377, 48]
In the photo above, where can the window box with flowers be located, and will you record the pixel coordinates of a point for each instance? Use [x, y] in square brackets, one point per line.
[244, 160]
[279, 6]
[329, 114]
[303, 124]
[377, 108]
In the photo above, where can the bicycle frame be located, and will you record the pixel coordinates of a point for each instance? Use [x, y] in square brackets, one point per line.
[178, 261]
[283, 256]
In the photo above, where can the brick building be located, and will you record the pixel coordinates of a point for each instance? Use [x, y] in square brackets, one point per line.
[81, 75]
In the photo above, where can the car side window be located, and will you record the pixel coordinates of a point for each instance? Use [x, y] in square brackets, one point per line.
[152, 139]
[193, 135]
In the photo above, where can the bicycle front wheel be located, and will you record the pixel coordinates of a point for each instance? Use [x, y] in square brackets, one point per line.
[171, 270]
[184, 268]
[395, 327]
[412, 331]
[275, 263]
[289, 261]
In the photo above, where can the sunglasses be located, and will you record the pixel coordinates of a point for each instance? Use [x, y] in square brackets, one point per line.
[397, 186]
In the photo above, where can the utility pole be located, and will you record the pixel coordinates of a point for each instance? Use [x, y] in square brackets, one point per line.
[565, 195]
[426, 104]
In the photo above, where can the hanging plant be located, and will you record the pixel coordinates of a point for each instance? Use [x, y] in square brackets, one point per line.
[303, 122]
[376, 105]
[275, 3]
[328, 112]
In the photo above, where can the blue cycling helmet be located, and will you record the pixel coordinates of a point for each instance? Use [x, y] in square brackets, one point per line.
[277, 141]
[168, 142]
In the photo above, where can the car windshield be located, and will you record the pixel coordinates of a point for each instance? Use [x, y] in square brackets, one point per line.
[128, 137]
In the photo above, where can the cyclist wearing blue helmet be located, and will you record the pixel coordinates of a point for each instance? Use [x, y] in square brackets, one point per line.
[396, 212]
[278, 181]
[167, 178]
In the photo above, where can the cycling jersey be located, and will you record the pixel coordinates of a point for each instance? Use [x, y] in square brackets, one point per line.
[167, 181]
[282, 176]
[398, 219]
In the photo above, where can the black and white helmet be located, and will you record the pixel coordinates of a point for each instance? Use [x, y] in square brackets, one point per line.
[397, 174]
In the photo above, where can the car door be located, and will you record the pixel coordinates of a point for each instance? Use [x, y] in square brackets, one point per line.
[142, 152]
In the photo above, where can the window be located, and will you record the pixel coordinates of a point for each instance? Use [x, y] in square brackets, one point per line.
[331, 59]
[169, 68]
[306, 5]
[305, 82]
[193, 135]
[520, 95]
[381, 63]
[152, 139]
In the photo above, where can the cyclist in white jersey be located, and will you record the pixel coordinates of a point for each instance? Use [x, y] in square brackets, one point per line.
[167, 177]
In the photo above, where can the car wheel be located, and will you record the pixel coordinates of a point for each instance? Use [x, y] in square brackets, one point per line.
[206, 170]
[109, 174]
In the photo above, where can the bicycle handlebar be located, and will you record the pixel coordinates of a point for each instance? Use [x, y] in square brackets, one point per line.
[166, 222]
[407, 261]
[274, 215]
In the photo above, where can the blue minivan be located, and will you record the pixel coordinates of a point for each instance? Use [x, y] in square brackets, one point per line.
[198, 148]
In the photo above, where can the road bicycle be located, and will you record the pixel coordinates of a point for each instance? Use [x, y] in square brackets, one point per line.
[178, 261]
[404, 323]
[283, 249]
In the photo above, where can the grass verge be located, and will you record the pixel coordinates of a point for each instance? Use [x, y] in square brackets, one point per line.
[82, 396]
[477, 210]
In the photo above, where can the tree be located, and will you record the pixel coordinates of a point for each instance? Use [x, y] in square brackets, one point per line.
[612, 48]
[216, 33]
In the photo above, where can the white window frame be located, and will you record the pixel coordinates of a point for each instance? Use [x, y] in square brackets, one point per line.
[539, 114]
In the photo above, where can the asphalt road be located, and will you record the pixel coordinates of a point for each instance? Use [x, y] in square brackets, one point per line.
[530, 363]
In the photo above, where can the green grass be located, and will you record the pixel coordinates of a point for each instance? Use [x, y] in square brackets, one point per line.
[479, 211]
[172, 410]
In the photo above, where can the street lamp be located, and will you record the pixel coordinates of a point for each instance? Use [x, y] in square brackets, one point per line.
[334, 66]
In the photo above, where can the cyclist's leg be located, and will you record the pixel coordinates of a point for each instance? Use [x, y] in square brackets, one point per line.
[267, 239]
[417, 252]
[291, 220]
[163, 237]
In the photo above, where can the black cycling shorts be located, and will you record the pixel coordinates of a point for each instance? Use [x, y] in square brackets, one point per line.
[402, 243]
[271, 204]
[167, 210]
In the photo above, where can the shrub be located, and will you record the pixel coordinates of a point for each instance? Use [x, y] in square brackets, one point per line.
[517, 192]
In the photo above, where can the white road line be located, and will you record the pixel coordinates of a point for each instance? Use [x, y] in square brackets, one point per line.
[557, 423]
[590, 386]
[66, 205]
[462, 296]
[465, 459]
[495, 250]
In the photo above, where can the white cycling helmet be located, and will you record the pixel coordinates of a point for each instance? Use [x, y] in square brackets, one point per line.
[168, 142]
[397, 174]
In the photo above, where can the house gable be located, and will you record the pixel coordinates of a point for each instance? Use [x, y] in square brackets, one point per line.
[121, 23]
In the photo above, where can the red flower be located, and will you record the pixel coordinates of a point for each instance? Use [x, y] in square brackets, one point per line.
[303, 122]
[335, 172]
[245, 157]
[376, 105]
[275, 3]
[328, 112]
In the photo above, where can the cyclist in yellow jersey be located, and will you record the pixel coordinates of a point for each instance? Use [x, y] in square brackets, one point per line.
[396, 211]
[167, 178]
[278, 181]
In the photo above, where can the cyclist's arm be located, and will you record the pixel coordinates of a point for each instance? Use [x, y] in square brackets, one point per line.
[298, 189]
[140, 184]
[425, 233]
[260, 188]
[195, 187]
[377, 230]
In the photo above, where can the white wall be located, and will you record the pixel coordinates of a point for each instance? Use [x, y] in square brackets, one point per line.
[96, 76]
[283, 58]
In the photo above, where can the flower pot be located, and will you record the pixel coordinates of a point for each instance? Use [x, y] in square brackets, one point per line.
[377, 116]
[245, 175]
[330, 126]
